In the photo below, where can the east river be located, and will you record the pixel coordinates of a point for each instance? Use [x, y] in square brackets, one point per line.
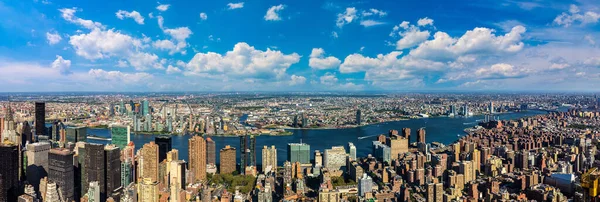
[441, 129]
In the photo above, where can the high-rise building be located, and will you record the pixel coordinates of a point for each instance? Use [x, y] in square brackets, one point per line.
[9, 172]
[40, 118]
[466, 168]
[148, 162]
[37, 162]
[120, 135]
[318, 158]
[164, 145]
[126, 173]
[76, 134]
[243, 153]
[94, 193]
[252, 152]
[211, 151]
[269, 159]
[298, 152]
[61, 171]
[358, 117]
[146, 107]
[365, 185]
[398, 145]
[227, 161]
[94, 166]
[421, 135]
[334, 158]
[492, 109]
[351, 151]
[81, 183]
[177, 178]
[197, 157]
[112, 170]
[148, 190]
[382, 152]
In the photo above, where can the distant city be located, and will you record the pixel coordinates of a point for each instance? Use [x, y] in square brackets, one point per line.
[326, 147]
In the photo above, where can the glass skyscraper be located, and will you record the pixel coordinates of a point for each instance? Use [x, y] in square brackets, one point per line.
[120, 136]
[298, 152]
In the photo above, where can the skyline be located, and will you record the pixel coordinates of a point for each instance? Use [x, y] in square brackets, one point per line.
[271, 46]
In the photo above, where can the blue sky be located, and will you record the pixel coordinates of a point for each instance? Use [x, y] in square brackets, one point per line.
[50, 45]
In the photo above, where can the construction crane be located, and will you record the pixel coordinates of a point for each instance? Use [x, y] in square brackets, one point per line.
[589, 181]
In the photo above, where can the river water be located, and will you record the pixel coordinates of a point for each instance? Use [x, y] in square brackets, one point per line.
[440, 129]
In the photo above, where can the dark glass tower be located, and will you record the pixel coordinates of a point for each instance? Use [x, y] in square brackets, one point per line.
[112, 170]
[94, 168]
[252, 154]
[9, 172]
[164, 145]
[61, 171]
[243, 156]
[211, 150]
[40, 118]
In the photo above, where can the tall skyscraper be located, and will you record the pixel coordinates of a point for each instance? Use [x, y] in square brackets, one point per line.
[94, 166]
[76, 134]
[269, 159]
[148, 162]
[120, 135]
[406, 133]
[94, 192]
[492, 109]
[40, 118]
[243, 153]
[358, 117]
[197, 157]
[421, 135]
[352, 151]
[335, 158]
[9, 172]
[37, 162]
[164, 145]
[227, 161]
[298, 152]
[145, 107]
[148, 191]
[61, 171]
[211, 151]
[252, 154]
[177, 178]
[112, 170]
[365, 184]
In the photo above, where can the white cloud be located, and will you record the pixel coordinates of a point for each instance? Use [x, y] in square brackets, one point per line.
[334, 34]
[346, 17]
[297, 80]
[273, 13]
[232, 6]
[243, 61]
[357, 62]
[328, 79]
[61, 65]
[121, 14]
[163, 7]
[370, 23]
[118, 76]
[53, 38]
[173, 70]
[203, 16]
[411, 36]
[592, 61]
[425, 21]
[161, 21]
[574, 15]
[170, 46]
[69, 15]
[499, 71]
[319, 61]
[180, 33]
[373, 11]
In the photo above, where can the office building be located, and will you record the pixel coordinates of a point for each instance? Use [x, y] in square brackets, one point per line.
[318, 158]
[243, 153]
[40, 119]
[37, 162]
[126, 173]
[145, 107]
[227, 160]
[164, 145]
[94, 166]
[269, 159]
[252, 152]
[421, 135]
[61, 171]
[120, 135]
[406, 133]
[148, 162]
[298, 152]
[398, 145]
[93, 193]
[334, 158]
[351, 151]
[9, 172]
[176, 178]
[358, 117]
[365, 185]
[112, 157]
[211, 152]
[197, 157]
[381, 152]
[76, 134]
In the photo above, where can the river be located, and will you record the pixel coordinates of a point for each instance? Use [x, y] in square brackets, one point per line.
[439, 129]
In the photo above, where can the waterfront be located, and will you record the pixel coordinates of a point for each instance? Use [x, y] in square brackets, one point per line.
[440, 129]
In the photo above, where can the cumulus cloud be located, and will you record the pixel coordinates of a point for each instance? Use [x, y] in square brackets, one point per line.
[232, 6]
[411, 35]
[61, 65]
[499, 71]
[319, 61]
[297, 80]
[173, 70]
[346, 17]
[357, 62]
[425, 21]
[328, 79]
[203, 16]
[592, 61]
[160, 21]
[177, 44]
[375, 12]
[69, 15]
[163, 7]
[273, 13]
[118, 76]
[243, 61]
[576, 16]
[351, 14]
[53, 38]
[121, 14]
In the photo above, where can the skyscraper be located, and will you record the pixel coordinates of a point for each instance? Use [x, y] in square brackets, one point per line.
[298, 152]
[177, 178]
[252, 154]
[351, 151]
[60, 163]
[145, 107]
[421, 135]
[269, 159]
[365, 184]
[227, 161]
[197, 157]
[94, 166]
[358, 117]
[148, 162]
[406, 133]
[164, 145]
[211, 151]
[148, 190]
[37, 162]
[94, 193]
[112, 170]
[492, 109]
[40, 118]
[243, 153]
[76, 134]
[335, 158]
[9, 172]
[120, 135]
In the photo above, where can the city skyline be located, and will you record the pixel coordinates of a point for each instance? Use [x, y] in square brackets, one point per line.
[299, 46]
